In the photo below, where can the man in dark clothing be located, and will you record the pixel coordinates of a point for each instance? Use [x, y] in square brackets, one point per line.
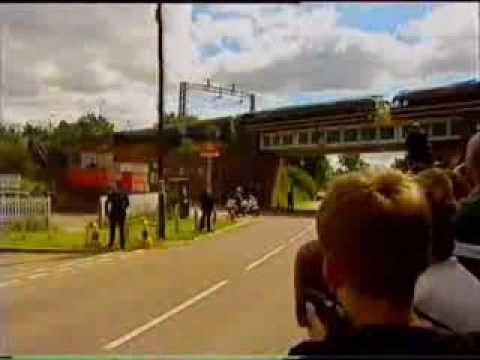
[290, 201]
[206, 204]
[467, 219]
[116, 210]
[370, 264]
[419, 151]
[185, 203]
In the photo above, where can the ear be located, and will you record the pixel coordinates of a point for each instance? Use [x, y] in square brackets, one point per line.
[333, 274]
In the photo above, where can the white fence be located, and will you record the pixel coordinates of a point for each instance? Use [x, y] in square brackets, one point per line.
[18, 208]
[139, 204]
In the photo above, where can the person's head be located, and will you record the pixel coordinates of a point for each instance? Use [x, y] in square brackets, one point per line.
[439, 191]
[112, 187]
[472, 159]
[374, 231]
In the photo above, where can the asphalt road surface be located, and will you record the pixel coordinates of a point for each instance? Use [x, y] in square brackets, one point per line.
[230, 294]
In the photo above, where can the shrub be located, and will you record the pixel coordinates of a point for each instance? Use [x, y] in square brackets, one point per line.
[302, 181]
[30, 224]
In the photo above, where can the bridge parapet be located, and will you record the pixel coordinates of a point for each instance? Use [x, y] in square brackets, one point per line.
[369, 137]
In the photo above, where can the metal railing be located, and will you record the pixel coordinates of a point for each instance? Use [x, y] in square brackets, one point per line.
[19, 208]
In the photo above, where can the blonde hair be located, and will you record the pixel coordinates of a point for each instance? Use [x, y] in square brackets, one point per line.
[437, 185]
[376, 222]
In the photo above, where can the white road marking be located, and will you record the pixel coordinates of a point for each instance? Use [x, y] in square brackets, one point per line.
[122, 340]
[302, 233]
[268, 255]
[69, 264]
[264, 258]
[36, 276]
[10, 282]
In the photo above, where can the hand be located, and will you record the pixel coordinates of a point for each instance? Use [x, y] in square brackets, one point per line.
[316, 329]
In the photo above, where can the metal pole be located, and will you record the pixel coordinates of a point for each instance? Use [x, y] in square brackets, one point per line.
[477, 57]
[209, 173]
[161, 179]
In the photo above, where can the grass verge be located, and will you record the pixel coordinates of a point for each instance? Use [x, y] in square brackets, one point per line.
[61, 239]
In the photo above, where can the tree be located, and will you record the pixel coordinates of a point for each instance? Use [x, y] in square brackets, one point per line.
[350, 162]
[88, 128]
[15, 158]
[302, 182]
[323, 171]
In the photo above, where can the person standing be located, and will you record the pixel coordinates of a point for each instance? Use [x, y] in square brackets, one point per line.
[419, 151]
[290, 200]
[185, 206]
[207, 205]
[116, 210]
[467, 219]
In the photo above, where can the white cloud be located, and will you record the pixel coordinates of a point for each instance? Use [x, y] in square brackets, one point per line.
[68, 56]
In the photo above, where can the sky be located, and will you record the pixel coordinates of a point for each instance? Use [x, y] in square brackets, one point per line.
[65, 59]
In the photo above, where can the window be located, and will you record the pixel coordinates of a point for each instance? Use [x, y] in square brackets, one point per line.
[287, 139]
[457, 126]
[350, 135]
[368, 134]
[333, 136]
[266, 140]
[439, 129]
[303, 137]
[318, 137]
[276, 140]
[387, 133]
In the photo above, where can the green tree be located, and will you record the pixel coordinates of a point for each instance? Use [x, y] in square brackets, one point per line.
[302, 182]
[350, 162]
[15, 158]
[88, 128]
[323, 171]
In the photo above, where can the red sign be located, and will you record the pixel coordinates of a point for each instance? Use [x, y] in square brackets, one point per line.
[210, 154]
[211, 150]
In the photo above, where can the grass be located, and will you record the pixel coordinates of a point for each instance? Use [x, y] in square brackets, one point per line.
[58, 238]
[307, 205]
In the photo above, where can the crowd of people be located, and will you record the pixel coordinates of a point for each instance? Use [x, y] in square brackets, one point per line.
[242, 203]
[396, 266]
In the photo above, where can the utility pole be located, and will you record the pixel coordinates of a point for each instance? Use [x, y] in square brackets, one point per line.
[220, 91]
[477, 57]
[3, 71]
[160, 147]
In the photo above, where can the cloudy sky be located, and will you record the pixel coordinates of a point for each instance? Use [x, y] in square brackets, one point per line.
[65, 59]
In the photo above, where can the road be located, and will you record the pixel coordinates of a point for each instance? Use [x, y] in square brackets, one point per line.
[230, 294]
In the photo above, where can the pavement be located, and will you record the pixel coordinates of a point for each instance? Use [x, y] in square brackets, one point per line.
[231, 294]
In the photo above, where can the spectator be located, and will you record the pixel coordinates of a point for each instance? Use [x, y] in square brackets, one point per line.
[419, 152]
[372, 260]
[446, 292]
[467, 220]
[307, 275]
[116, 207]
[207, 204]
[290, 200]
[461, 187]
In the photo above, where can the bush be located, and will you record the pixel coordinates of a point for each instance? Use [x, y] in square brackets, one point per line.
[15, 158]
[302, 182]
[29, 224]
